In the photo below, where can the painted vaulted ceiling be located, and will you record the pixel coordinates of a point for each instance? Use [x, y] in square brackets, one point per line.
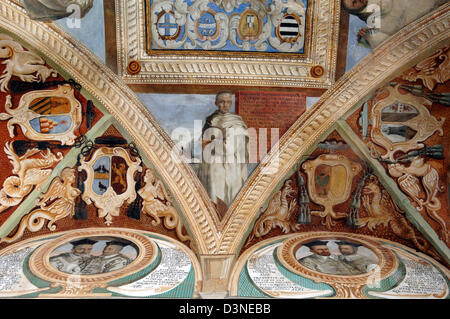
[198, 149]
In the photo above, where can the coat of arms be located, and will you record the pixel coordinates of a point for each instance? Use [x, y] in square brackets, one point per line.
[207, 27]
[402, 121]
[110, 180]
[250, 26]
[167, 27]
[330, 178]
[46, 115]
[290, 28]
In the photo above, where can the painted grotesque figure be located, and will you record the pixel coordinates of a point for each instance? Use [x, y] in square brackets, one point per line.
[46, 10]
[386, 17]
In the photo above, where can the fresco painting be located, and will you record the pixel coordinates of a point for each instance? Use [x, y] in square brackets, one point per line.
[349, 259]
[250, 26]
[221, 149]
[84, 259]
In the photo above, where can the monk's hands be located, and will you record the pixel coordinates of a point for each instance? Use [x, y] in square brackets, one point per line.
[362, 33]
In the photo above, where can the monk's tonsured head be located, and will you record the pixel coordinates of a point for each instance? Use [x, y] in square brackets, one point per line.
[224, 101]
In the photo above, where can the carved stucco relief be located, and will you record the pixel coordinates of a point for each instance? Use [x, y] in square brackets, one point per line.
[136, 66]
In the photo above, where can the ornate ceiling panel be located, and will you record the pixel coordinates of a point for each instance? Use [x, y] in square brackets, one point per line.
[292, 44]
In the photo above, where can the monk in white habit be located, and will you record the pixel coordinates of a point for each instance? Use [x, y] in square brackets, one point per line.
[223, 170]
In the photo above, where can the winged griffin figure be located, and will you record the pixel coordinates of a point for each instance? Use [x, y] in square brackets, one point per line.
[61, 195]
[31, 172]
[157, 205]
[434, 70]
[380, 209]
[409, 182]
[278, 213]
[27, 65]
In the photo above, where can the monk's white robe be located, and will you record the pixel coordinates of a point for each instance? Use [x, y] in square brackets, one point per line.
[223, 170]
[46, 10]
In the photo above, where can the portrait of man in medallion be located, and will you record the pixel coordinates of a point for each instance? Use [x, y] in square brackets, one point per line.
[323, 256]
[74, 261]
[111, 259]
[92, 256]
[349, 255]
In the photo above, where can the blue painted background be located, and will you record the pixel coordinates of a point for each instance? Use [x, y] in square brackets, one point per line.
[229, 46]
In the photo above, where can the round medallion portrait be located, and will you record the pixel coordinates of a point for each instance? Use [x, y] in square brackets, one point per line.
[336, 257]
[93, 255]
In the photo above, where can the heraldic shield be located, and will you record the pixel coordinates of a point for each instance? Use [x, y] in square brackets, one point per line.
[400, 122]
[110, 180]
[46, 115]
[330, 178]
